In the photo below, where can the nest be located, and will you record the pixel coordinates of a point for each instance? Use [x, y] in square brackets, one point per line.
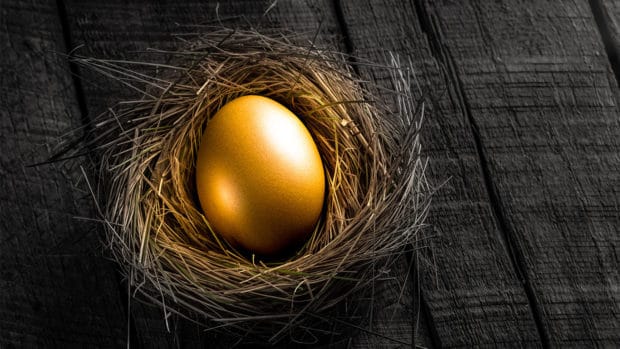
[375, 205]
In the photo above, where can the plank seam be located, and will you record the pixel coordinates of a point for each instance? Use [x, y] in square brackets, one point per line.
[430, 26]
[423, 307]
[75, 75]
[612, 47]
[342, 23]
[348, 45]
[421, 301]
[81, 100]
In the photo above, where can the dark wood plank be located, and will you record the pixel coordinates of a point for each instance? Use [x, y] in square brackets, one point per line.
[396, 315]
[543, 101]
[472, 294]
[55, 288]
[123, 30]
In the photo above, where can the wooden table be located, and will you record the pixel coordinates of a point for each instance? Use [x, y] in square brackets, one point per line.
[525, 126]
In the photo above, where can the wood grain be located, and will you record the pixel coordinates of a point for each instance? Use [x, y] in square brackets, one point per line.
[55, 288]
[471, 291]
[543, 103]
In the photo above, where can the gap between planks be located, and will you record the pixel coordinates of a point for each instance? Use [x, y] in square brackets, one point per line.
[612, 47]
[81, 100]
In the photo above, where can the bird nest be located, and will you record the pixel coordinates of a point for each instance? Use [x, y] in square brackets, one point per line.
[376, 199]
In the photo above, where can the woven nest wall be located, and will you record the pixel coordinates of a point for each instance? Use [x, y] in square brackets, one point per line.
[377, 195]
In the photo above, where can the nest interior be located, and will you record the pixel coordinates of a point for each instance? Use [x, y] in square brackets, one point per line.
[375, 205]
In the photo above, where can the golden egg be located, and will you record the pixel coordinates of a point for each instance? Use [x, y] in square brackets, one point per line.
[259, 176]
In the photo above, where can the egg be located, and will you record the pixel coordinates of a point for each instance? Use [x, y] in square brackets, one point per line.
[259, 176]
